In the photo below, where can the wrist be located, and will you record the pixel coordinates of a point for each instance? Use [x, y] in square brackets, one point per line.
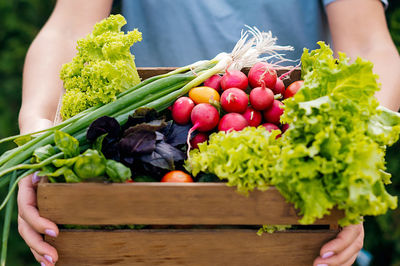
[34, 124]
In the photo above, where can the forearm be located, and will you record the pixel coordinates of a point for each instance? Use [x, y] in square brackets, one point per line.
[359, 29]
[386, 62]
[42, 86]
[53, 47]
[387, 67]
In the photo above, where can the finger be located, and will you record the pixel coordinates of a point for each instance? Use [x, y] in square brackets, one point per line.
[28, 211]
[41, 259]
[345, 256]
[351, 261]
[37, 256]
[344, 239]
[35, 241]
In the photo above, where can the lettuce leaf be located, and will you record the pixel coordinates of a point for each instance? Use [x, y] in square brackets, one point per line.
[245, 158]
[102, 68]
[333, 153]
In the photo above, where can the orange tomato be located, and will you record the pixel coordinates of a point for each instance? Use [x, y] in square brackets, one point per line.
[203, 94]
[176, 176]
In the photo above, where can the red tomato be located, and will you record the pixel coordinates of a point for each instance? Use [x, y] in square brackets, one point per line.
[176, 176]
[292, 89]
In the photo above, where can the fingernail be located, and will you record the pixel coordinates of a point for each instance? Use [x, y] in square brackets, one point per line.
[48, 258]
[322, 264]
[50, 232]
[35, 178]
[327, 255]
[42, 264]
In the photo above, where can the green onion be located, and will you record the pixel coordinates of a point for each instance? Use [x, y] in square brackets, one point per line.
[7, 222]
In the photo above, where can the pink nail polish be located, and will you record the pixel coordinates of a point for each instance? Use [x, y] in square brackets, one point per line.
[322, 264]
[327, 255]
[42, 264]
[48, 258]
[50, 232]
[35, 178]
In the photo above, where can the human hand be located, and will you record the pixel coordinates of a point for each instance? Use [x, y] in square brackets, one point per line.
[31, 225]
[342, 250]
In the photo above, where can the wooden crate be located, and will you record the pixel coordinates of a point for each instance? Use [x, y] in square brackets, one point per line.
[213, 223]
[177, 204]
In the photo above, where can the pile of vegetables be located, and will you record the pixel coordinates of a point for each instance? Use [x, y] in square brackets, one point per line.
[332, 153]
[104, 71]
[321, 141]
[146, 143]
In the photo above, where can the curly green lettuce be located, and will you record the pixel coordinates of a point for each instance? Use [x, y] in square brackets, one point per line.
[245, 158]
[333, 155]
[102, 68]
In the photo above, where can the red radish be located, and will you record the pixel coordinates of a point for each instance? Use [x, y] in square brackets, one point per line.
[284, 127]
[252, 116]
[234, 100]
[234, 79]
[213, 82]
[262, 71]
[205, 117]
[269, 127]
[261, 98]
[232, 121]
[279, 87]
[293, 88]
[273, 114]
[199, 138]
[181, 110]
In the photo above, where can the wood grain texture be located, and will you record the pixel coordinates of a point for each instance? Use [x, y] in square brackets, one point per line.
[184, 247]
[163, 203]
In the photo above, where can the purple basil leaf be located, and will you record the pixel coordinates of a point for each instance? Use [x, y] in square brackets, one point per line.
[128, 160]
[164, 156]
[111, 150]
[175, 134]
[141, 115]
[138, 142]
[150, 126]
[159, 136]
[103, 125]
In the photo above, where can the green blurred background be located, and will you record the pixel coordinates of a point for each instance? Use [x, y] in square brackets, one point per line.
[20, 21]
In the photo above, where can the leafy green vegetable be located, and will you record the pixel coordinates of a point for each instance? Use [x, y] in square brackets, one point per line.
[245, 158]
[117, 172]
[98, 143]
[333, 153]
[66, 143]
[42, 153]
[69, 175]
[77, 167]
[102, 68]
[147, 144]
[270, 229]
[90, 164]
[22, 140]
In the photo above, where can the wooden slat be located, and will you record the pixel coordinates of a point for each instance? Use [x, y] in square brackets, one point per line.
[188, 247]
[163, 203]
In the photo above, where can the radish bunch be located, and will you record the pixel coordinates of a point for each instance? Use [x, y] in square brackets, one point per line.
[244, 100]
